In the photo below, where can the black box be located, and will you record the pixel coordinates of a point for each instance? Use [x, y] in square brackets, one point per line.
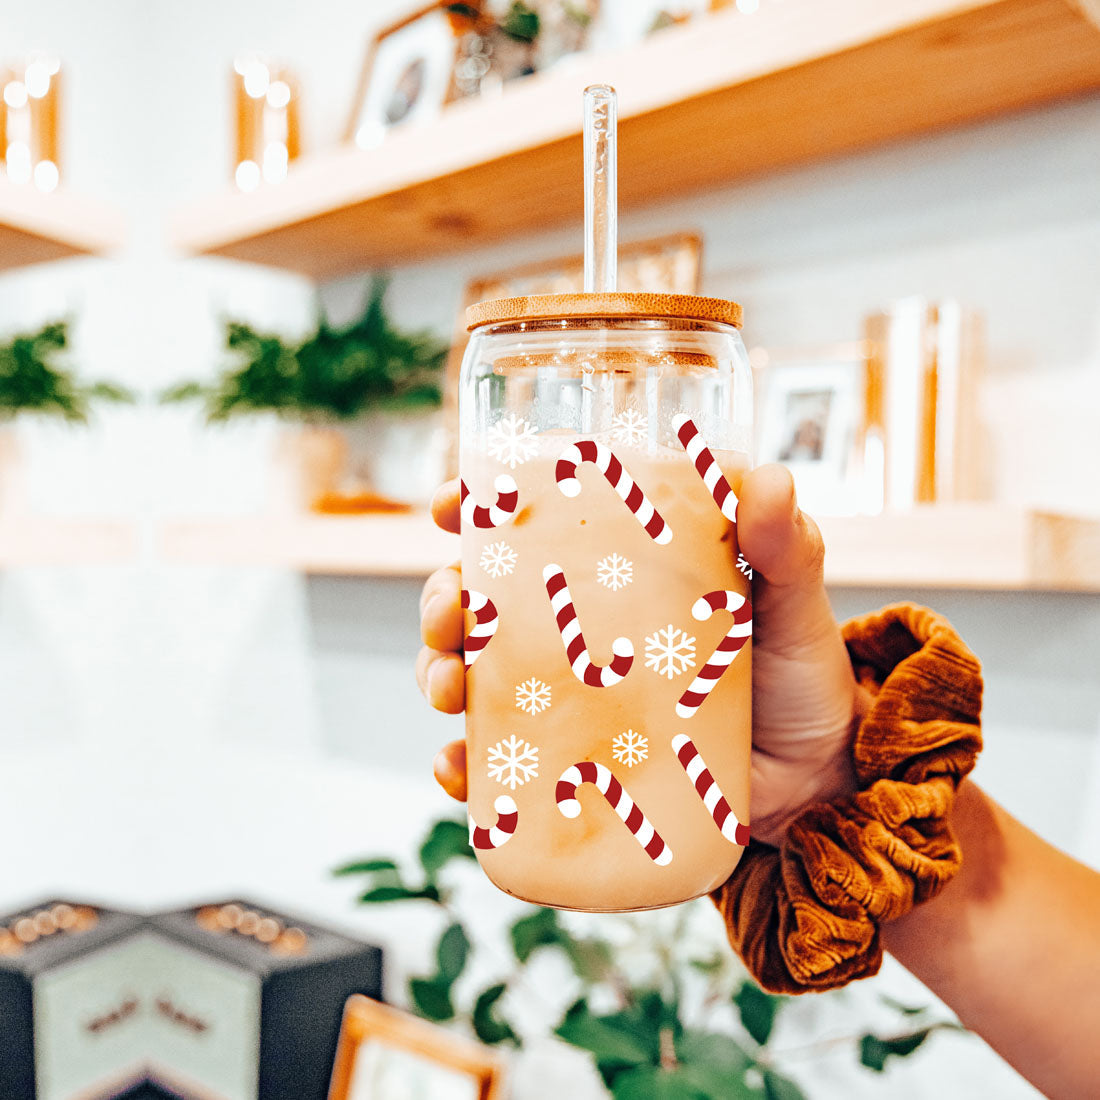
[224, 1002]
[284, 986]
[68, 1001]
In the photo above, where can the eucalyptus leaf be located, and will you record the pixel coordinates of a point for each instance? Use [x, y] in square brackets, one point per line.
[607, 1039]
[432, 998]
[655, 1083]
[542, 928]
[452, 952]
[874, 1051]
[398, 893]
[447, 840]
[758, 1010]
[488, 1025]
[365, 867]
[778, 1087]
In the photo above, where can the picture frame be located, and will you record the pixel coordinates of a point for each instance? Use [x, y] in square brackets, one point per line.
[812, 416]
[407, 74]
[385, 1053]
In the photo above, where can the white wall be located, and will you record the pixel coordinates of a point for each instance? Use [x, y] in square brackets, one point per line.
[169, 732]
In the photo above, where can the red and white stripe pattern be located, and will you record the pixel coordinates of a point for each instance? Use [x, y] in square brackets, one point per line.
[705, 465]
[499, 834]
[575, 650]
[496, 514]
[485, 626]
[727, 649]
[588, 450]
[587, 771]
[709, 791]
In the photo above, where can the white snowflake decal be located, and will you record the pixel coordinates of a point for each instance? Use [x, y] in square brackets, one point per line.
[498, 559]
[614, 572]
[533, 696]
[743, 565]
[513, 762]
[630, 748]
[629, 427]
[670, 652]
[512, 440]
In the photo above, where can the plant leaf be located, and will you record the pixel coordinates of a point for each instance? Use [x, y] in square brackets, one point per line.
[488, 1026]
[777, 1087]
[716, 1064]
[445, 841]
[611, 1044]
[873, 1051]
[654, 1083]
[432, 998]
[365, 867]
[542, 928]
[905, 1010]
[398, 893]
[758, 1010]
[452, 952]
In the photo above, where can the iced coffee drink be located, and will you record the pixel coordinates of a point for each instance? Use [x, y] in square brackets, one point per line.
[608, 612]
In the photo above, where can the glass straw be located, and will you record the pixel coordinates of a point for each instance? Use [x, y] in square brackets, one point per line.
[601, 192]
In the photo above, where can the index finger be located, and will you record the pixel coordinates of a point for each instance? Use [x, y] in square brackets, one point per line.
[445, 506]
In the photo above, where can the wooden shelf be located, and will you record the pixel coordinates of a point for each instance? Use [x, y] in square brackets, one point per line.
[700, 106]
[957, 546]
[976, 546]
[374, 545]
[30, 540]
[35, 227]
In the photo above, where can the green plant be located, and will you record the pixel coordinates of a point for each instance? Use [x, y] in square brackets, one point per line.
[657, 1043]
[521, 22]
[32, 378]
[335, 373]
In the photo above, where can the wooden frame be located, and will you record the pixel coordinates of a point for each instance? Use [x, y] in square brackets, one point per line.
[366, 1021]
[375, 62]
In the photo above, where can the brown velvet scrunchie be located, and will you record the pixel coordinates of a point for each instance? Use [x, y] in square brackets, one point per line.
[805, 917]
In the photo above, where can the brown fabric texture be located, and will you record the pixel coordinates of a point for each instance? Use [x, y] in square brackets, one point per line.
[806, 917]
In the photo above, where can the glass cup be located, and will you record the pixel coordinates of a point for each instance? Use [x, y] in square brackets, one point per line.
[608, 623]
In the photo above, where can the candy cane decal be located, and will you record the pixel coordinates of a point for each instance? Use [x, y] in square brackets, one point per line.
[588, 450]
[587, 771]
[727, 649]
[573, 640]
[709, 791]
[496, 514]
[485, 614]
[499, 834]
[706, 466]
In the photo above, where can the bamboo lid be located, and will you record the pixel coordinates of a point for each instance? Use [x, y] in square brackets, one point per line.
[616, 306]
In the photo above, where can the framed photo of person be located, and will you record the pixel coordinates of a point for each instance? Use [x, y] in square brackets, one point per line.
[407, 74]
[811, 416]
[385, 1054]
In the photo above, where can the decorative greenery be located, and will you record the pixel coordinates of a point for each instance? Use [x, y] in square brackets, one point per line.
[521, 22]
[336, 373]
[32, 379]
[653, 1045]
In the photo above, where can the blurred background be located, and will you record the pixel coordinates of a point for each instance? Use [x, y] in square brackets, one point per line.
[207, 630]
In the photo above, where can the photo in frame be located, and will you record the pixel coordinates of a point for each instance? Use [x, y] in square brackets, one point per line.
[407, 75]
[387, 1054]
[811, 416]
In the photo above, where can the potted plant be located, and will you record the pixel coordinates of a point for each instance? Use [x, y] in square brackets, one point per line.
[656, 1005]
[35, 379]
[366, 397]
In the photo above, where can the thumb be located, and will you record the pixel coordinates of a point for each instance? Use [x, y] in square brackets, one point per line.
[803, 688]
[784, 547]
